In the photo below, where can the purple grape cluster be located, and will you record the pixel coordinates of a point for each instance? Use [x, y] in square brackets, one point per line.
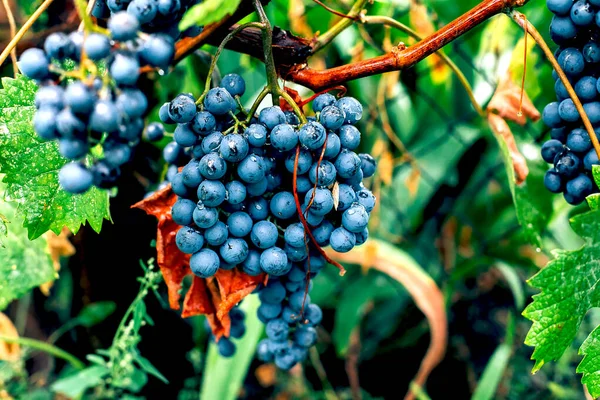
[236, 203]
[154, 16]
[575, 27]
[94, 107]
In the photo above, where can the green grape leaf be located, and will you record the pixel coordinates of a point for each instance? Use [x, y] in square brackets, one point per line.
[596, 173]
[207, 12]
[568, 287]
[30, 167]
[24, 263]
[590, 365]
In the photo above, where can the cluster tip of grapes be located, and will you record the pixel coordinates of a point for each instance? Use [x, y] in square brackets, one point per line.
[575, 27]
[98, 102]
[236, 204]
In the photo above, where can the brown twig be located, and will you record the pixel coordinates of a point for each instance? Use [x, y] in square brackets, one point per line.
[339, 14]
[12, 44]
[13, 33]
[352, 358]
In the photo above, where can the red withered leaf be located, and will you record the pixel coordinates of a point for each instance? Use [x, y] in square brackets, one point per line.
[213, 297]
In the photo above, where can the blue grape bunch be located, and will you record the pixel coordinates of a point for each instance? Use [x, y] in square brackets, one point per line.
[93, 107]
[154, 16]
[236, 205]
[574, 27]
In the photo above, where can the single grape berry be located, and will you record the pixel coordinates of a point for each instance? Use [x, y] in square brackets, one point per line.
[34, 64]
[182, 109]
[123, 26]
[155, 131]
[204, 263]
[551, 149]
[75, 178]
[218, 101]
[234, 84]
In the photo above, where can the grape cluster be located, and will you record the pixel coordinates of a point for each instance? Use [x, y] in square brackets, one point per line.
[575, 28]
[88, 106]
[236, 202]
[289, 316]
[154, 16]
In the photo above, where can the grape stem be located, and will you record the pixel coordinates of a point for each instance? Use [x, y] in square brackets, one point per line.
[520, 19]
[259, 99]
[294, 106]
[15, 40]
[86, 20]
[347, 20]
[267, 41]
[213, 64]
[303, 219]
[47, 348]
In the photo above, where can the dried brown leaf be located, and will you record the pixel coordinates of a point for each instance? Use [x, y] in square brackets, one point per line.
[506, 102]
[213, 297]
[503, 132]
[58, 246]
[412, 181]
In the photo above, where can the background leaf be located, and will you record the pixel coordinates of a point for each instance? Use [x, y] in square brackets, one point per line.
[208, 12]
[24, 264]
[31, 169]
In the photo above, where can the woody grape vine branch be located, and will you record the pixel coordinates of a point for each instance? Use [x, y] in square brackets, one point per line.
[401, 57]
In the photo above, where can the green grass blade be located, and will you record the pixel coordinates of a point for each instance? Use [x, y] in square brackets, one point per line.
[223, 377]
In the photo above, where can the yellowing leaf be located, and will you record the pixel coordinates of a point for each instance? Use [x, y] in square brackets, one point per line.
[421, 20]
[58, 246]
[8, 351]
[412, 181]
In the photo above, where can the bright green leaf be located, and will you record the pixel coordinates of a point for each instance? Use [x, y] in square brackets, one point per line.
[31, 169]
[596, 173]
[24, 263]
[568, 287]
[590, 365]
[208, 12]
[75, 385]
[593, 201]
